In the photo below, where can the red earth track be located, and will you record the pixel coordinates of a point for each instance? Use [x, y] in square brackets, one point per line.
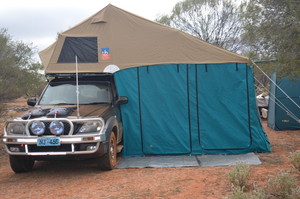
[82, 179]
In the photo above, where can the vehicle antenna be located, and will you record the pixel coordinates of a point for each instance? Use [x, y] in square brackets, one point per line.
[77, 89]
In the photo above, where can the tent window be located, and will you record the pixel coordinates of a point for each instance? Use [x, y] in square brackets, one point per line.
[85, 48]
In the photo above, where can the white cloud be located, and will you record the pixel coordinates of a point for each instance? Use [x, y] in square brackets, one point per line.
[38, 22]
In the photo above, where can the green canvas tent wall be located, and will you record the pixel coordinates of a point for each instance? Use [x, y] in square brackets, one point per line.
[190, 109]
[280, 107]
[185, 95]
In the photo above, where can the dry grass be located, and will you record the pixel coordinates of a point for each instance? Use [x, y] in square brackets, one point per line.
[239, 175]
[281, 186]
[238, 193]
[295, 160]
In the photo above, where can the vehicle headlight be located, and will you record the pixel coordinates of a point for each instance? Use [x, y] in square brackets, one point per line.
[37, 128]
[15, 128]
[91, 127]
[57, 127]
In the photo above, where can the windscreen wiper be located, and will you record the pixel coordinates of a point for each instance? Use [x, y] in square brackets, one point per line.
[95, 103]
[64, 104]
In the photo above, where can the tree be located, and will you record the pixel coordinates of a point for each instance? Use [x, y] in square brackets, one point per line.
[19, 71]
[272, 30]
[215, 21]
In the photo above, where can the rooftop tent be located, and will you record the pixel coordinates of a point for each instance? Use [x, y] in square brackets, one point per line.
[185, 96]
[278, 118]
[116, 37]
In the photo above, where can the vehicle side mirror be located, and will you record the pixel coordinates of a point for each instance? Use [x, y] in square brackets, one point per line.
[31, 101]
[121, 100]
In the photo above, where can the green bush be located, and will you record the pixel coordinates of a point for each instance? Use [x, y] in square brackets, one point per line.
[295, 160]
[20, 73]
[282, 186]
[239, 175]
[238, 193]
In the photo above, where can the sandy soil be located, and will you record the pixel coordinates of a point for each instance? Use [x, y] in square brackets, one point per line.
[81, 179]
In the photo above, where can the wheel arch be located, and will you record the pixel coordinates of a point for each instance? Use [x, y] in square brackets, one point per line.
[112, 126]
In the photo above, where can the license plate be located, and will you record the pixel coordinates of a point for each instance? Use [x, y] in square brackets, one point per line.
[54, 141]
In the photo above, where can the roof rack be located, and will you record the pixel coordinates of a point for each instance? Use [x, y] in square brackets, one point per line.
[79, 74]
[73, 75]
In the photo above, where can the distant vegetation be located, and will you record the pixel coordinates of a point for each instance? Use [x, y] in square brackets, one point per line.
[20, 74]
[215, 21]
[258, 29]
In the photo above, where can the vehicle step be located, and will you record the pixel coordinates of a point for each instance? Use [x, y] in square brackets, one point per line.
[119, 148]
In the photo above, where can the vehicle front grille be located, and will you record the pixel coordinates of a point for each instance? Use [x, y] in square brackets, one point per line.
[61, 148]
[77, 127]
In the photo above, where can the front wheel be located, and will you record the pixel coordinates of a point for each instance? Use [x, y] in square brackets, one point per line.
[109, 160]
[21, 164]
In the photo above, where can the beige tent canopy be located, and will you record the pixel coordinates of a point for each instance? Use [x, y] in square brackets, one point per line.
[116, 37]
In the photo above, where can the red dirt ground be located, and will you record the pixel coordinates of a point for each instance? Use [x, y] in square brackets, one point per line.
[81, 179]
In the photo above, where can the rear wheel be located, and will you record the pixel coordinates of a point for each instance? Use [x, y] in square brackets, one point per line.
[21, 164]
[109, 160]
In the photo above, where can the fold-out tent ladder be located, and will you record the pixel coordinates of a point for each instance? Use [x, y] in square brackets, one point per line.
[276, 100]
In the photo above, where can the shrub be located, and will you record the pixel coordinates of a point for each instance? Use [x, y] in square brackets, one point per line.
[238, 193]
[295, 193]
[258, 194]
[239, 175]
[295, 160]
[11, 114]
[2, 108]
[282, 186]
[20, 72]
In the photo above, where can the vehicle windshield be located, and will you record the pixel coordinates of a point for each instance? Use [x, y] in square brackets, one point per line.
[59, 93]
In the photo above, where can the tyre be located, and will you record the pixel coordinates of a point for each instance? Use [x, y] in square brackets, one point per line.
[109, 160]
[21, 164]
